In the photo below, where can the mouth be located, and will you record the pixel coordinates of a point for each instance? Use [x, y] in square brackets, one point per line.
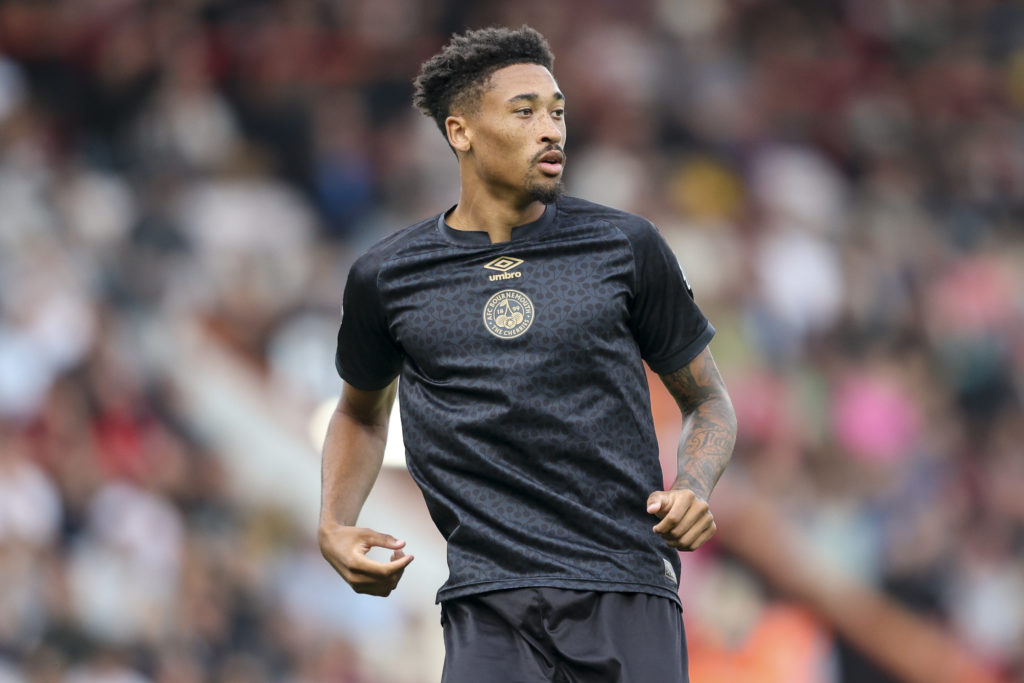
[551, 162]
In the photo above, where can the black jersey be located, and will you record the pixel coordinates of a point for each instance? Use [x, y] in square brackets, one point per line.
[524, 402]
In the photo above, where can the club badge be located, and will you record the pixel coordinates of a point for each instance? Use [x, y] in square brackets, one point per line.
[508, 314]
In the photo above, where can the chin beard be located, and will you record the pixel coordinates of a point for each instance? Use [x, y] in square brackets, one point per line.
[546, 193]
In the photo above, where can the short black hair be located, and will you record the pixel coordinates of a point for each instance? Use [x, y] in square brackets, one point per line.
[457, 76]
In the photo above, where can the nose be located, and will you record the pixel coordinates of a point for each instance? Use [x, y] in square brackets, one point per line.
[552, 132]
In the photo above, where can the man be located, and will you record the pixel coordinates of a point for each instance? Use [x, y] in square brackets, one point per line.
[517, 321]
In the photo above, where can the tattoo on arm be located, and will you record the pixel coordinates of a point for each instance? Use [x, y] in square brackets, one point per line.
[709, 424]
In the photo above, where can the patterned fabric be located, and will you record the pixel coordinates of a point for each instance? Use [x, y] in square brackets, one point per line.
[524, 402]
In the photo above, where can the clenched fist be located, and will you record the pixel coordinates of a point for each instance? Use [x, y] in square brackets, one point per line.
[686, 520]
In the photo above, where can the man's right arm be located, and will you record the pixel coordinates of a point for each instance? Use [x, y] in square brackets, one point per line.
[352, 456]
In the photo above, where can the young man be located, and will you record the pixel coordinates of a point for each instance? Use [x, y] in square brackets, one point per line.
[517, 321]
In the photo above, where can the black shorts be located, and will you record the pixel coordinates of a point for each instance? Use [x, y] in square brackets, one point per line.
[534, 635]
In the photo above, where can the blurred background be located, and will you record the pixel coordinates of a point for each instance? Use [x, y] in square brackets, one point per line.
[183, 186]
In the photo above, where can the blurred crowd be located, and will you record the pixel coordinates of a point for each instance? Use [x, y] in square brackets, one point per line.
[843, 181]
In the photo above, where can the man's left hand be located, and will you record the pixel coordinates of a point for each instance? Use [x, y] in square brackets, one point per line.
[686, 520]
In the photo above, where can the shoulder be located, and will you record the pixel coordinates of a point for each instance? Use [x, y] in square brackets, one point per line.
[411, 238]
[650, 253]
[634, 227]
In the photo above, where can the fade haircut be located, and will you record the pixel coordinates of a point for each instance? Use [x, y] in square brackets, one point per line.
[456, 78]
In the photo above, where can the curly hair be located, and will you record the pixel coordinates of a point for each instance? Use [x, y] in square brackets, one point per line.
[456, 77]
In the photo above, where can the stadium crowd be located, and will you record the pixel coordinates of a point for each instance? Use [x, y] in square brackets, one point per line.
[843, 181]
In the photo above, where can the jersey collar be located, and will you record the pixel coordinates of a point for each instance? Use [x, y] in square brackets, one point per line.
[481, 238]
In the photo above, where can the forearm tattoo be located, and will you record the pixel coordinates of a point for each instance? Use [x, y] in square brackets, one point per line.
[709, 424]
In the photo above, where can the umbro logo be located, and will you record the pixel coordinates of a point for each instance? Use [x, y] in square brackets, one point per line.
[503, 264]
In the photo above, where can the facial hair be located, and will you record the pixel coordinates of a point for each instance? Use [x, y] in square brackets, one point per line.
[545, 193]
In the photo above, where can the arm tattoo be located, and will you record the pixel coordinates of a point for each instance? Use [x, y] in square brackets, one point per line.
[709, 424]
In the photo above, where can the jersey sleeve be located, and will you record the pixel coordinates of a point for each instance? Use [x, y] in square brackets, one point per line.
[367, 356]
[668, 326]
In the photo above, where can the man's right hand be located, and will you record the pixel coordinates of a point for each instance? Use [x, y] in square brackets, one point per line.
[345, 547]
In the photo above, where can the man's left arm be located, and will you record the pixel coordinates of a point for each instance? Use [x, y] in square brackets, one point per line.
[709, 433]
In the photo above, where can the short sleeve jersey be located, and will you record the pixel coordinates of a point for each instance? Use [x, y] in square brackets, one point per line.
[525, 408]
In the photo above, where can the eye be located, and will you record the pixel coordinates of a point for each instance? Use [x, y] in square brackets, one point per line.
[558, 113]
[525, 111]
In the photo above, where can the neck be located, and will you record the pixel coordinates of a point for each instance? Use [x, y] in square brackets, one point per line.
[493, 215]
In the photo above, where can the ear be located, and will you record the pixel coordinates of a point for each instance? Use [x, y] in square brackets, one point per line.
[459, 134]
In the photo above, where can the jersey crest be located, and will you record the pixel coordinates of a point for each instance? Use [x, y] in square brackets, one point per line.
[508, 314]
